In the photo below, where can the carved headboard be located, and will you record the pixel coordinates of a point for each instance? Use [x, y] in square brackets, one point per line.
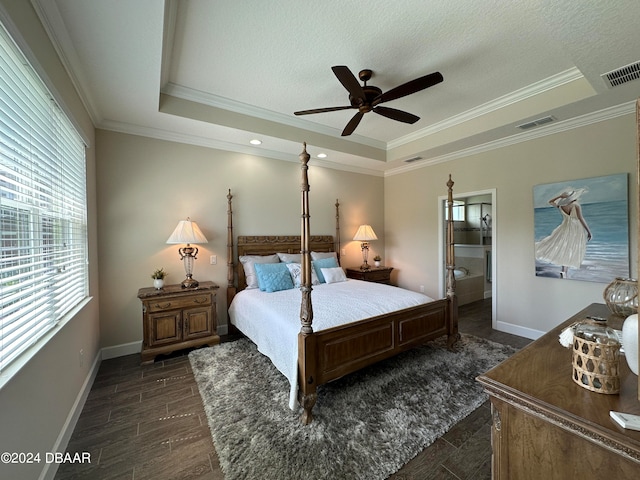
[267, 245]
[270, 244]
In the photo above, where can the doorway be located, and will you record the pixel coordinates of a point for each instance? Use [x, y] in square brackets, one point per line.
[475, 244]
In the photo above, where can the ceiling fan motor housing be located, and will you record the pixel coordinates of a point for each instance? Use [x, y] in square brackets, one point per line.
[370, 93]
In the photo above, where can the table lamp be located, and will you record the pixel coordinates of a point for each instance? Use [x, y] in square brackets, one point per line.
[364, 234]
[188, 232]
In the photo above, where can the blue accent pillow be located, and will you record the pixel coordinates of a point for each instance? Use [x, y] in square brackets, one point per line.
[273, 277]
[321, 263]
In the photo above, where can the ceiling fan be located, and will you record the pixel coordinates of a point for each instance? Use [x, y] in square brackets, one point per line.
[367, 98]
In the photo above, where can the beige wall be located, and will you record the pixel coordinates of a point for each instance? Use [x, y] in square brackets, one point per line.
[145, 186]
[36, 403]
[526, 304]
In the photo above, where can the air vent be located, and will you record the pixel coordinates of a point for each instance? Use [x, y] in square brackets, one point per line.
[622, 75]
[536, 123]
[413, 159]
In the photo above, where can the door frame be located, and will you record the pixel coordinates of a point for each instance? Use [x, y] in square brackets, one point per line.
[494, 247]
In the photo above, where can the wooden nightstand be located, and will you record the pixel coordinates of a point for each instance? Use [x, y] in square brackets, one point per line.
[374, 274]
[174, 318]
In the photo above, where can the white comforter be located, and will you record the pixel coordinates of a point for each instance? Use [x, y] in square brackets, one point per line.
[272, 320]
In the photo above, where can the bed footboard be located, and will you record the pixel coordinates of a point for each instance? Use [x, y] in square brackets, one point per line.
[346, 349]
[330, 354]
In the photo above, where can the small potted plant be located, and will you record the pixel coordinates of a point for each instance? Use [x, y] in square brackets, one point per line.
[158, 278]
[376, 260]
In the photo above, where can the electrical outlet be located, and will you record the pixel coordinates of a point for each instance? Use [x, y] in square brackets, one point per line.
[343, 252]
[81, 357]
[421, 288]
[213, 260]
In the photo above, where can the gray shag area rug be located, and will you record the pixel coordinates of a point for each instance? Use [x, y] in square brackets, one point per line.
[366, 425]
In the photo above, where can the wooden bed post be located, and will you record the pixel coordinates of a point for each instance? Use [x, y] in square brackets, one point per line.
[306, 310]
[306, 340]
[230, 277]
[337, 249]
[231, 288]
[452, 333]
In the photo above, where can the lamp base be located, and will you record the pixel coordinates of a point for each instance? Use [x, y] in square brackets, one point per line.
[189, 282]
[364, 246]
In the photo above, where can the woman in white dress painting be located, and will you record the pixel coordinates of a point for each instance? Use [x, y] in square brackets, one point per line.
[567, 244]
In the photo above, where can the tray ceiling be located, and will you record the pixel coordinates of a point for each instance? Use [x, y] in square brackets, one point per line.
[220, 73]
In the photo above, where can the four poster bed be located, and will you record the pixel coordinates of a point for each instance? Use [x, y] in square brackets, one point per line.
[351, 323]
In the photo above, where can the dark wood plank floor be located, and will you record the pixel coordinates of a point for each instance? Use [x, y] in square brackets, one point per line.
[148, 422]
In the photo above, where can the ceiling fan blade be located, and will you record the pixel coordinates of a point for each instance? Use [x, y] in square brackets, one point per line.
[353, 123]
[410, 87]
[349, 81]
[398, 115]
[322, 110]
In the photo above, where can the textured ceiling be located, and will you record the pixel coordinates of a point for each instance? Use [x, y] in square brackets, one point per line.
[219, 73]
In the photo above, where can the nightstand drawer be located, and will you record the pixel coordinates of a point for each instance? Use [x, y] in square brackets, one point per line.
[374, 274]
[178, 303]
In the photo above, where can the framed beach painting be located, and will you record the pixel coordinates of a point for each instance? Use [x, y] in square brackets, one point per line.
[581, 229]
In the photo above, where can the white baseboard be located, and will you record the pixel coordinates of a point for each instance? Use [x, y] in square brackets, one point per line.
[518, 330]
[136, 347]
[50, 468]
[121, 350]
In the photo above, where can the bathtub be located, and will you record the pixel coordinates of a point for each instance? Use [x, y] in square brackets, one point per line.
[469, 285]
[460, 272]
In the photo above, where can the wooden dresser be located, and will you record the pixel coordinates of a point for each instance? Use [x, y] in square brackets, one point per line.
[174, 318]
[374, 274]
[545, 426]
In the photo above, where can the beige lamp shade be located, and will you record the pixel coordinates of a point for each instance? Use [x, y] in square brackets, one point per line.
[365, 233]
[187, 231]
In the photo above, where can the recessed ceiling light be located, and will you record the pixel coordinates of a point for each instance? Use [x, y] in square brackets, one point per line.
[255, 141]
[322, 155]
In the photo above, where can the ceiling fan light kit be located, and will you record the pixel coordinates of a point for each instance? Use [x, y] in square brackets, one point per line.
[367, 98]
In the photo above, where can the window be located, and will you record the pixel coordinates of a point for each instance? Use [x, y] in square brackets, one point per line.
[43, 227]
[458, 211]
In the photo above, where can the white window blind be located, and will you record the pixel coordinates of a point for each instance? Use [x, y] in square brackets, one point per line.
[43, 232]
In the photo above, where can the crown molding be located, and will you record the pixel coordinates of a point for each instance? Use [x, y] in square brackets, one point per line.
[168, 38]
[577, 122]
[529, 91]
[205, 98]
[200, 141]
[551, 129]
[53, 24]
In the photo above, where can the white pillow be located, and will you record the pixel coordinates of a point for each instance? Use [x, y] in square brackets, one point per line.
[248, 263]
[289, 257]
[296, 274]
[319, 255]
[334, 275]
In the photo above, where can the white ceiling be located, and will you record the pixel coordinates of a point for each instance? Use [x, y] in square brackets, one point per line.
[222, 72]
